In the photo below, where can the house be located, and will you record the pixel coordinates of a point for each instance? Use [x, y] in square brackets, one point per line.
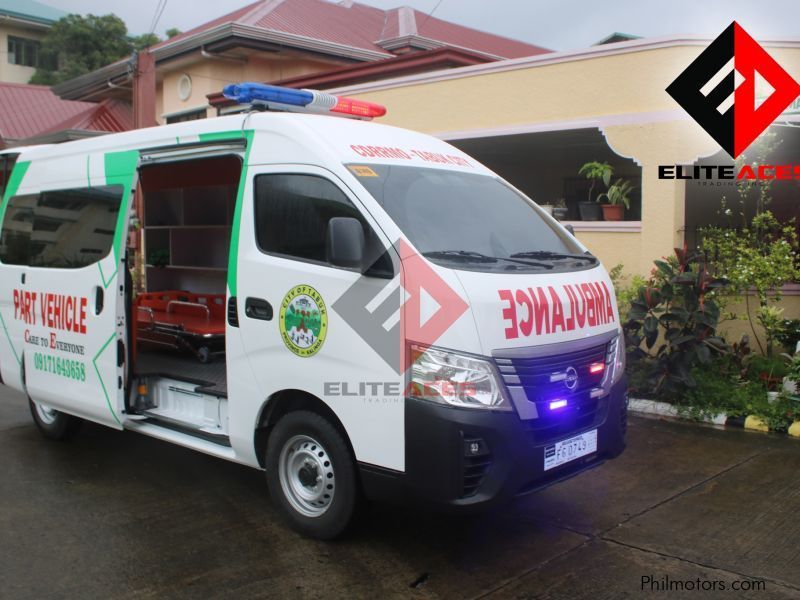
[278, 40]
[23, 24]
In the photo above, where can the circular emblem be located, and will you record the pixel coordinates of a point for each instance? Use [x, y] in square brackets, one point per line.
[571, 380]
[303, 320]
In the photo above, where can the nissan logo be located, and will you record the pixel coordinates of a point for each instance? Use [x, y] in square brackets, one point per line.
[571, 379]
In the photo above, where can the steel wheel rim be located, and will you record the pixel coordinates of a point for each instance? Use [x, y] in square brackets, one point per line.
[305, 471]
[46, 414]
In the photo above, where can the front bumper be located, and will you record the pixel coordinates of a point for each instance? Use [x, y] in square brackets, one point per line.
[441, 472]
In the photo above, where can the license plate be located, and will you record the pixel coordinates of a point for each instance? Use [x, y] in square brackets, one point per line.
[570, 449]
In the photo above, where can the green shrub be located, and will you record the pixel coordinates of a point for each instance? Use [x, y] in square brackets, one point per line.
[758, 367]
[625, 289]
[672, 323]
[789, 334]
[719, 390]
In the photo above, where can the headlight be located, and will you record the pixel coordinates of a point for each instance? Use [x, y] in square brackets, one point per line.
[615, 360]
[455, 379]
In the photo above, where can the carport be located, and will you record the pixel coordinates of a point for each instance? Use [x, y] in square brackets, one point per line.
[545, 166]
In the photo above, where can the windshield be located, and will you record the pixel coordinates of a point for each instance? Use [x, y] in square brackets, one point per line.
[468, 221]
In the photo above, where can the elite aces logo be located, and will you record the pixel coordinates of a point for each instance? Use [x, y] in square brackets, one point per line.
[719, 89]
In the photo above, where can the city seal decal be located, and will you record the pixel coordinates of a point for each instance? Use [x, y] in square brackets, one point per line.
[303, 320]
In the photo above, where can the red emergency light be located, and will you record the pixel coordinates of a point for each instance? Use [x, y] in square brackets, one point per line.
[597, 368]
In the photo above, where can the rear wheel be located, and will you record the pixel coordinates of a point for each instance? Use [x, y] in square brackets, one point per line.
[54, 424]
[311, 475]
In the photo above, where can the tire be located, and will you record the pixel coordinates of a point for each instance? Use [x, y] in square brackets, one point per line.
[311, 475]
[204, 355]
[54, 424]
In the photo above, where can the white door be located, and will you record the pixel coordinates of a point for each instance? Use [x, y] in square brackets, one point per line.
[67, 297]
[291, 336]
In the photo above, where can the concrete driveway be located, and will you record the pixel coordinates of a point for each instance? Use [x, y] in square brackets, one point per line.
[114, 514]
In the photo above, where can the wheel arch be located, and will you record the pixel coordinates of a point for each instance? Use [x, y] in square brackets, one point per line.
[286, 401]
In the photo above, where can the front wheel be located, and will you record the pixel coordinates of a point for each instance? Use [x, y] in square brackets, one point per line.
[54, 424]
[311, 475]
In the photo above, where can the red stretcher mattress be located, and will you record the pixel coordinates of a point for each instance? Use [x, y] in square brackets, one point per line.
[179, 319]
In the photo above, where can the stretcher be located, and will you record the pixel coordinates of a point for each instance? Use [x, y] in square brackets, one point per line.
[182, 320]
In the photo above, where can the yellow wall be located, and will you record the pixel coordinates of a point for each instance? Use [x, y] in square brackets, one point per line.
[15, 73]
[211, 75]
[618, 247]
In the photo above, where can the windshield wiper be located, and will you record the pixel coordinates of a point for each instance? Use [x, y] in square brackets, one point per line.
[470, 256]
[547, 254]
[460, 254]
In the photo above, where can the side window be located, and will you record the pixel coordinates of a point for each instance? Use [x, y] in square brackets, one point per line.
[292, 212]
[61, 229]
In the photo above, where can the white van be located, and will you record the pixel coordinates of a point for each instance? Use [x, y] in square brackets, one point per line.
[357, 309]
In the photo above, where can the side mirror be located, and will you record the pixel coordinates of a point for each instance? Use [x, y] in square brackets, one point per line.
[570, 228]
[346, 242]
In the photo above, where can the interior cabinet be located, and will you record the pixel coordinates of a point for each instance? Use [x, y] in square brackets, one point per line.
[187, 237]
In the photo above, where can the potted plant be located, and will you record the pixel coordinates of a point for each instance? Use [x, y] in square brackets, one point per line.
[618, 197]
[560, 210]
[594, 171]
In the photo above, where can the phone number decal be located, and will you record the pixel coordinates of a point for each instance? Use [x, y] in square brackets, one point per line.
[63, 367]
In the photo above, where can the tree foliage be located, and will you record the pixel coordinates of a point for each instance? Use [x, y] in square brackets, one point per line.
[140, 42]
[761, 257]
[78, 44]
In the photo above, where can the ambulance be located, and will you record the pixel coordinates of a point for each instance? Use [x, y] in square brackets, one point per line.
[361, 311]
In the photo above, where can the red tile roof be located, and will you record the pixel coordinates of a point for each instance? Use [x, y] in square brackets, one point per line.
[456, 35]
[26, 110]
[110, 115]
[31, 110]
[358, 26]
[363, 27]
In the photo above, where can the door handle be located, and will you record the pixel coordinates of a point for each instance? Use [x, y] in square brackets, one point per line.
[258, 308]
[98, 300]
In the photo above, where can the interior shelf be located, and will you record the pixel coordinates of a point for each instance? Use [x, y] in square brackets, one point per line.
[187, 237]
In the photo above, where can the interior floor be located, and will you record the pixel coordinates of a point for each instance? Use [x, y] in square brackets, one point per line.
[209, 377]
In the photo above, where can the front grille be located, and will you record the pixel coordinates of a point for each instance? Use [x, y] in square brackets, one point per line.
[475, 464]
[539, 379]
[535, 374]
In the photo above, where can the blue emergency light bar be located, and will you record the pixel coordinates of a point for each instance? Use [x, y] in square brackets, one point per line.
[294, 100]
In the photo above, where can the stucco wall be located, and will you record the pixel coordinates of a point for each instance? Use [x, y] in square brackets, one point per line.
[614, 248]
[211, 75]
[15, 73]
